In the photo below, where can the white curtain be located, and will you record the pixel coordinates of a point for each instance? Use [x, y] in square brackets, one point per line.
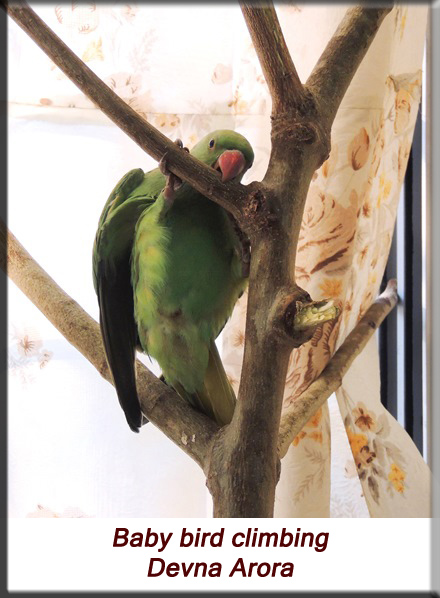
[189, 70]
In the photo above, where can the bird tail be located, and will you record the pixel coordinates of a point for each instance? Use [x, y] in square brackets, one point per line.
[216, 398]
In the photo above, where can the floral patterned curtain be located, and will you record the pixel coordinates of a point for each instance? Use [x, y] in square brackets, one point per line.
[188, 70]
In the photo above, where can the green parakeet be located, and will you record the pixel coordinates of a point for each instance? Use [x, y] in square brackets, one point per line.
[168, 269]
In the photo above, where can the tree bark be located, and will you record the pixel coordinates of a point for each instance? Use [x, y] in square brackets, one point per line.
[241, 460]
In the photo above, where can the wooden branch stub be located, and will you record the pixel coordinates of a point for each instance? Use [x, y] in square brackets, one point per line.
[302, 408]
[295, 316]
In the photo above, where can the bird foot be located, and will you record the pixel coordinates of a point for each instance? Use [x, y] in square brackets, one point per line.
[173, 181]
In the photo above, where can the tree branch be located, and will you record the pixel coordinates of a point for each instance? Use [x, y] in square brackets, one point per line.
[231, 196]
[190, 430]
[303, 408]
[340, 60]
[279, 71]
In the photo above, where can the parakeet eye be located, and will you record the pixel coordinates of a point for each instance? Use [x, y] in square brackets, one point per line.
[211, 143]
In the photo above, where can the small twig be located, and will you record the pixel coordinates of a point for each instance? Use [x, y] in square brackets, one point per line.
[341, 58]
[204, 179]
[190, 430]
[302, 409]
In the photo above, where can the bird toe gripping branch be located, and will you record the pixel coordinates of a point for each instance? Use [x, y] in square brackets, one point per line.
[173, 181]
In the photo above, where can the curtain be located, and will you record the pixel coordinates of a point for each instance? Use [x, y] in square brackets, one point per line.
[188, 70]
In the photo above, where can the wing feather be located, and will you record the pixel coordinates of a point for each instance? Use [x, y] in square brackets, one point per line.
[112, 273]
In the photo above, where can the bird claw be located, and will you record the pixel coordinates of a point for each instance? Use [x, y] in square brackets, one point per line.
[179, 142]
[169, 192]
[173, 181]
[163, 166]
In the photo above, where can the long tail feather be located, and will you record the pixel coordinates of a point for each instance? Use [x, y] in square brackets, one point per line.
[216, 398]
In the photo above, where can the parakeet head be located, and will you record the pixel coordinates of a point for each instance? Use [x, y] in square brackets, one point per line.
[226, 151]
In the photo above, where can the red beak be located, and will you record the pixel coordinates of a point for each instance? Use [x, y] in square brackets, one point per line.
[231, 163]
